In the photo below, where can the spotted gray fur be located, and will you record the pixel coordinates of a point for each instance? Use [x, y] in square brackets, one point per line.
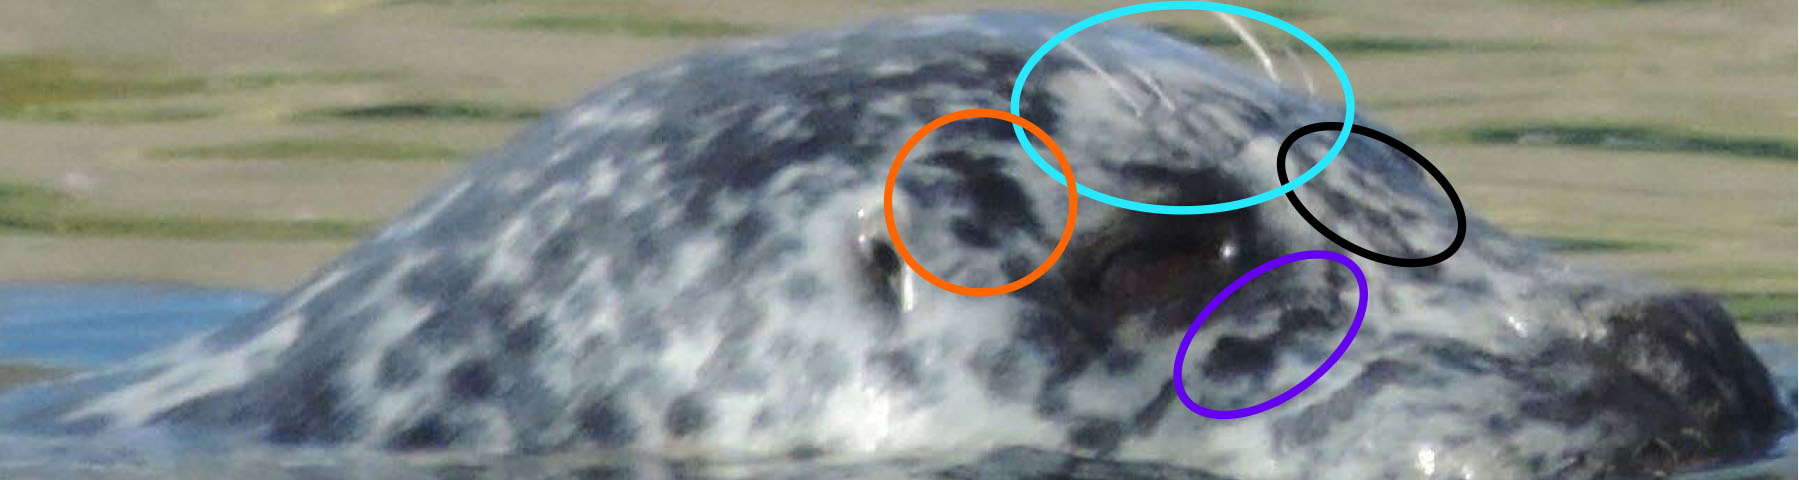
[691, 261]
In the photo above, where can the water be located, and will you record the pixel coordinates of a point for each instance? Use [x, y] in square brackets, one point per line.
[89, 326]
[85, 326]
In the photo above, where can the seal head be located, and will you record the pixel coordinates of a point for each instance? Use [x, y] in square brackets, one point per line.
[691, 261]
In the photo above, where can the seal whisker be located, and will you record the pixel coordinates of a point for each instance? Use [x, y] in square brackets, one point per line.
[1305, 72]
[1250, 40]
[1154, 86]
[1116, 86]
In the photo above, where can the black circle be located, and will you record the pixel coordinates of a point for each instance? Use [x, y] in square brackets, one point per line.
[1461, 217]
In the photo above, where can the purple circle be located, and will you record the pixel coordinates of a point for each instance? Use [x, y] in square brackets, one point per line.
[1348, 338]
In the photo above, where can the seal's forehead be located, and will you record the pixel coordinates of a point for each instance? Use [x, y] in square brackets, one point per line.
[738, 119]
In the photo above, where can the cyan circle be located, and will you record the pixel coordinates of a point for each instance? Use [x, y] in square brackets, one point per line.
[1343, 78]
[1361, 310]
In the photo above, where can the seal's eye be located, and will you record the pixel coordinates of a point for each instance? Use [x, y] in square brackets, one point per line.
[1146, 272]
[1152, 264]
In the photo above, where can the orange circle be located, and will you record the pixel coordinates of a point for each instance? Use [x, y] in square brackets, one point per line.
[893, 176]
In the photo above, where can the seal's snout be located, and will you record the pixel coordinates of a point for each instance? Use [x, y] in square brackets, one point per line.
[1684, 348]
[1656, 384]
[1662, 384]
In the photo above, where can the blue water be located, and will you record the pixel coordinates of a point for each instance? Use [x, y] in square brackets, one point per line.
[85, 326]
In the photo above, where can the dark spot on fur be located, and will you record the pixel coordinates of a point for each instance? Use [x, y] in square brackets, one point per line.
[556, 260]
[606, 472]
[1235, 356]
[1052, 403]
[89, 426]
[1121, 362]
[1295, 323]
[687, 415]
[1316, 421]
[459, 472]
[1500, 425]
[308, 407]
[897, 365]
[1146, 419]
[525, 337]
[429, 432]
[642, 330]
[1098, 435]
[744, 319]
[999, 208]
[805, 452]
[444, 275]
[559, 248]
[973, 234]
[999, 368]
[1458, 355]
[398, 368]
[640, 254]
[606, 424]
[461, 314]
[765, 417]
[747, 231]
[731, 369]
[471, 380]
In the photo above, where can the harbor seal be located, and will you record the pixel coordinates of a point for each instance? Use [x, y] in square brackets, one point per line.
[691, 262]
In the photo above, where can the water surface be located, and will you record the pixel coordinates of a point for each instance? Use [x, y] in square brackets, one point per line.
[84, 327]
